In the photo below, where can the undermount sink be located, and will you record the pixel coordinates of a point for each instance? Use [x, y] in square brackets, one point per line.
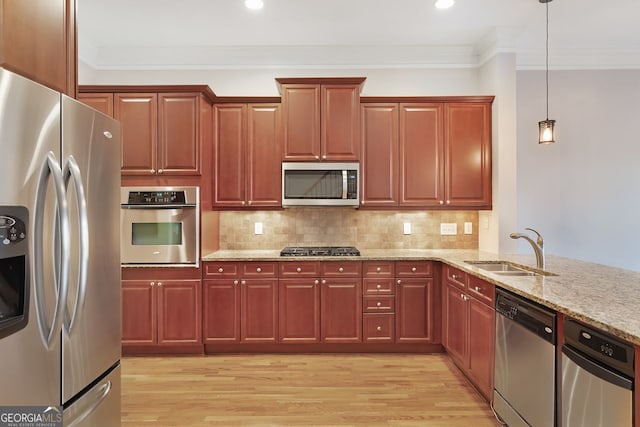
[502, 268]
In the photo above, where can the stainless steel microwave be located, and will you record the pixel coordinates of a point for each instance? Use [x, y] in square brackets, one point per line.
[320, 184]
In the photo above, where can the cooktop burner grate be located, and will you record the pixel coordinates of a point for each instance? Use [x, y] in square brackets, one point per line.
[320, 251]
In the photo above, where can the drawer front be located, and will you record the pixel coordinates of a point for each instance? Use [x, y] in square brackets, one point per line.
[221, 269]
[256, 270]
[378, 287]
[341, 269]
[413, 269]
[482, 291]
[300, 269]
[378, 304]
[378, 327]
[456, 277]
[378, 269]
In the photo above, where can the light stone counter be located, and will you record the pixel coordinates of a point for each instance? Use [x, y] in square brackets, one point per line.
[602, 296]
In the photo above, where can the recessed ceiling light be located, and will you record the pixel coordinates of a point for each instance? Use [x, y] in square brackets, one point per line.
[254, 4]
[444, 4]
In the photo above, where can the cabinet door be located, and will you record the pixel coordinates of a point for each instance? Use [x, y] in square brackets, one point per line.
[379, 165]
[264, 155]
[259, 311]
[414, 311]
[102, 102]
[455, 333]
[468, 154]
[299, 310]
[340, 122]
[229, 161]
[421, 155]
[138, 312]
[341, 310]
[301, 119]
[138, 116]
[481, 346]
[179, 312]
[221, 311]
[38, 40]
[178, 135]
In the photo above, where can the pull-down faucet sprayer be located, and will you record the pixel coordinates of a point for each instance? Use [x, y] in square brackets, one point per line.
[538, 246]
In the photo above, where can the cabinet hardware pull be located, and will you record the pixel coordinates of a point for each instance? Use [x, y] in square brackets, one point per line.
[478, 289]
[413, 269]
[243, 282]
[153, 283]
[249, 202]
[259, 270]
[242, 203]
[220, 270]
[399, 281]
[448, 202]
[378, 328]
[315, 282]
[152, 171]
[378, 269]
[235, 282]
[160, 171]
[454, 276]
[341, 269]
[159, 283]
[317, 157]
[298, 269]
[378, 304]
[462, 296]
[378, 286]
[324, 282]
[441, 202]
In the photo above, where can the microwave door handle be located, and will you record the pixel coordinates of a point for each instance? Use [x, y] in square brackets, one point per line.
[72, 172]
[344, 184]
[51, 168]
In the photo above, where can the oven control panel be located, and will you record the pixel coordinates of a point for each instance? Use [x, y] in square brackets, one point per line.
[156, 197]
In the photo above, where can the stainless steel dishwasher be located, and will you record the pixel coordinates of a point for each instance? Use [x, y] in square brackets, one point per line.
[597, 378]
[525, 368]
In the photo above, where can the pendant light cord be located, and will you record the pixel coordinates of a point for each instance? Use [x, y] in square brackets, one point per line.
[547, 59]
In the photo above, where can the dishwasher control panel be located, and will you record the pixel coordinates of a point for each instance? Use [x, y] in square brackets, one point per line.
[530, 315]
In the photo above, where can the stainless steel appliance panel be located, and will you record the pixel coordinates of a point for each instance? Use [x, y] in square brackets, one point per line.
[91, 339]
[320, 184]
[98, 407]
[30, 141]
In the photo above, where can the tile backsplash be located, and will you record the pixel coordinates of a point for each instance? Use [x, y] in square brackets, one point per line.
[345, 227]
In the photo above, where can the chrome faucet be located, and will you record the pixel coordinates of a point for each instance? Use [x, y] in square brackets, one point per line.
[538, 246]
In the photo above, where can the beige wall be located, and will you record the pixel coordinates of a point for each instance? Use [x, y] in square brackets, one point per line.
[344, 226]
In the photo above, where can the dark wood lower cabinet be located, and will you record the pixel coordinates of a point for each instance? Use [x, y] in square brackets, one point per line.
[222, 311]
[138, 312]
[259, 311]
[299, 310]
[481, 346]
[341, 310]
[456, 320]
[414, 311]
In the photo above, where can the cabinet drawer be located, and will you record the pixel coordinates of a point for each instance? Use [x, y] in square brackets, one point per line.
[256, 270]
[341, 269]
[378, 327]
[413, 269]
[378, 287]
[482, 291]
[456, 277]
[378, 304]
[378, 268]
[222, 269]
[300, 269]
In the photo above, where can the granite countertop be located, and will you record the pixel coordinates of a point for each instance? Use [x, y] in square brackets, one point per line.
[602, 296]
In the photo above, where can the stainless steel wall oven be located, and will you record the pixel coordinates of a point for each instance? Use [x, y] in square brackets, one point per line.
[160, 226]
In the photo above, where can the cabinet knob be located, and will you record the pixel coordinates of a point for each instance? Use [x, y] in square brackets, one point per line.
[413, 269]
[259, 270]
[317, 157]
[152, 171]
[378, 269]
[454, 276]
[324, 156]
[341, 269]
[152, 283]
[160, 171]
[243, 282]
[249, 202]
[378, 286]
[235, 282]
[461, 296]
[315, 282]
[159, 283]
[448, 202]
[220, 270]
[478, 289]
[324, 282]
[378, 304]
[441, 202]
[399, 281]
[242, 203]
[298, 269]
[378, 328]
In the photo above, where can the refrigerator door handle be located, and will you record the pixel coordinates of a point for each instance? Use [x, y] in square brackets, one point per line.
[72, 172]
[104, 391]
[51, 168]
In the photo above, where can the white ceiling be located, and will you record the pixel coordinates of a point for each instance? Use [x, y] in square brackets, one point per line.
[223, 34]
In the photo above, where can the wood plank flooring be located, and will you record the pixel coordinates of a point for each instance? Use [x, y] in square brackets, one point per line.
[299, 390]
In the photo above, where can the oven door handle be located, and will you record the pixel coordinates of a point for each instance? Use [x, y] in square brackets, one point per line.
[147, 207]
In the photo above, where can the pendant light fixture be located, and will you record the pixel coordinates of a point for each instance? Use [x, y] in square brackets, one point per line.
[546, 128]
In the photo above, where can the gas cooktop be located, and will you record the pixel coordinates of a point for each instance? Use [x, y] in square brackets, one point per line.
[320, 251]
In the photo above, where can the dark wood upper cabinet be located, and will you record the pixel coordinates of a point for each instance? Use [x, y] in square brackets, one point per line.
[321, 118]
[38, 41]
[178, 134]
[138, 116]
[102, 102]
[229, 155]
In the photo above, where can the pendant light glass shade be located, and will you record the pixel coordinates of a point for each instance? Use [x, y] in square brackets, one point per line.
[546, 128]
[546, 132]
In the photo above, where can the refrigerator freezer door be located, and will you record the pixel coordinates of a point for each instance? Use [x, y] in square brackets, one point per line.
[91, 337]
[98, 407]
[29, 132]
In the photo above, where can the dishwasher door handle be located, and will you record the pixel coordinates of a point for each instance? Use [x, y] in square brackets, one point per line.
[597, 369]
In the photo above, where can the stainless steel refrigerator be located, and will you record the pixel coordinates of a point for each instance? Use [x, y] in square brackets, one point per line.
[59, 255]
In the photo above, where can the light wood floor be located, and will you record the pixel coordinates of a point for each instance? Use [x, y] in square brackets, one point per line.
[299, 390]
